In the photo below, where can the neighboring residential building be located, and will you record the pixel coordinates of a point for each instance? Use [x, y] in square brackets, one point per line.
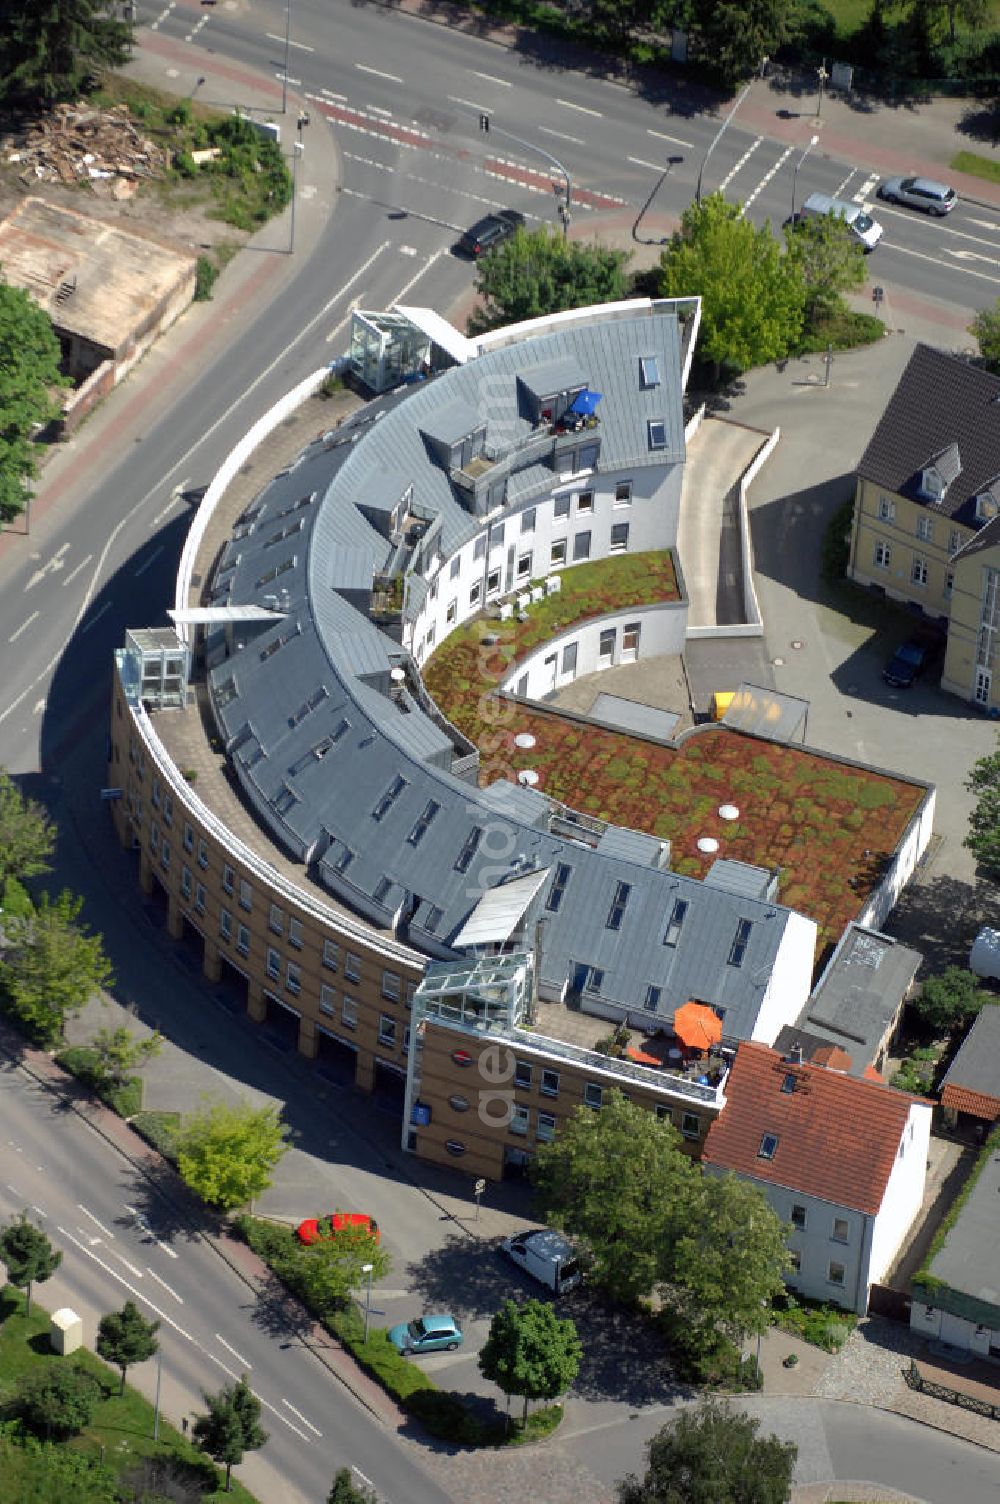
[854, 1012]
[970, 1091]
[309, 819]
[841, 1160]
[970, 665]
[957, 1298]
[927, 484]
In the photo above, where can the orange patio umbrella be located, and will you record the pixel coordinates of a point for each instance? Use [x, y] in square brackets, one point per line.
[697, 1026]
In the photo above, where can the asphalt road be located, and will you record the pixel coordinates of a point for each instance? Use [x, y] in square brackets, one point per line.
[122, 1239]
[408, 96]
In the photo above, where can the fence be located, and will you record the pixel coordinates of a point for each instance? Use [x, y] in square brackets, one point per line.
[961, 1396]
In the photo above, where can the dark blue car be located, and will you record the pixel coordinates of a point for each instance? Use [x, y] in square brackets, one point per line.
[906, 664]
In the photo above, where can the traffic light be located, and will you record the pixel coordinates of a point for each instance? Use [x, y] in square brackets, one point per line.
[484, 123]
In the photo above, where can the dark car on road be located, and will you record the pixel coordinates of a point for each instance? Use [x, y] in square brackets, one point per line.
[490, 231]
[907, 663]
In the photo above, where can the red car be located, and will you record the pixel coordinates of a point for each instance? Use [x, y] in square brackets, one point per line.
[321, 1229]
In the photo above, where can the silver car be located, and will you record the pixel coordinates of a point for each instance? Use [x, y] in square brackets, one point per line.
[919, 193]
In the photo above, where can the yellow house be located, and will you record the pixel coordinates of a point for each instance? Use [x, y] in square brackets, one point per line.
[927, 487]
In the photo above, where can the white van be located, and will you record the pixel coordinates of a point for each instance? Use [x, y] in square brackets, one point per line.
[547, 1257]
[860, 224]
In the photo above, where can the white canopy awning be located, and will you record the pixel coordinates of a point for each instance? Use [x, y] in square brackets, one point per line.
[440, 332]
[498, 912]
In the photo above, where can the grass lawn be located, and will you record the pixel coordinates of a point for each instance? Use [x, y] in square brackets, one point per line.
[122, 1428]
[976, 166]
[829, 828]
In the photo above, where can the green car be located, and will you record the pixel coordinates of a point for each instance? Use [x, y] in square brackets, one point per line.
[428, 1334]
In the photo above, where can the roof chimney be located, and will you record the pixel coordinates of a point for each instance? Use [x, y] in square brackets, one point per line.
[794, 1056]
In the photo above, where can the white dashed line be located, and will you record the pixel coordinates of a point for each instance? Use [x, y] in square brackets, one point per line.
[238, 1356]
[298, 1414]
[153, 556]
[745, 158]
[302, 46]
[169, 1288]
[653, 166]
[767, 178]
[561, 136]
[568, 104]
[107, 1233]
[24, 626]
[393, 78]
[491, 78]
[674, 140]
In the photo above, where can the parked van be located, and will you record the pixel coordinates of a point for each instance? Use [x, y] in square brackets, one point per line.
[860, 224]
[547, 1257]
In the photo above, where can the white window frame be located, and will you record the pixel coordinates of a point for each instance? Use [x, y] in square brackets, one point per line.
[243, 939]
[349, 1012]
[387, 1030]
[352, 967]
[327, 1000]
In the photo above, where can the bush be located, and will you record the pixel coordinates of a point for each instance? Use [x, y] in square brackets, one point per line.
[83, 1062]
[846, 329]
[158, 1129]
[58, 1402]
[206, 273]
[16, 901]
[446, 1417]
[816, 1322]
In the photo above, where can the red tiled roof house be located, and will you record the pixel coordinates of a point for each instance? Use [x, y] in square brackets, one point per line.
[841, 1160]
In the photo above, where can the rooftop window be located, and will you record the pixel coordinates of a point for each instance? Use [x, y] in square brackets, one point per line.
[389, 798]
[558, 888]
[469, 849]
[649, 370]
[673, 930]
[618, 904]
[741, 940]
[657, 432]
[768, 1145]
[420, 828]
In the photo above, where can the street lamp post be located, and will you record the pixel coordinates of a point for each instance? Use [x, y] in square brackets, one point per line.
[486, 126]
[795, 172]
[288, 43]
[156, 1406]
[715, 141]
[369, 1270]
[671, 164]
[297, 150]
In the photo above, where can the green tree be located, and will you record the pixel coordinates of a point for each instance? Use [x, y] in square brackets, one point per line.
[326, 1273]
[531, 1352]
[949, 999]
[343, 1490]
[231, 1426]
[983, 839]
[538, 272]
[226, 1154]
[29, 372]
[986, 329]
[713, 1455]
[728, 1263]
[43, 1473]
[27, 836]
[50, 49]
[119, 1052]
[28, 1255]
[736, 35]
[619, 1183]
[58, 1401]
[752, 296]
[829, 263]
[51, 967]
[125, 1337]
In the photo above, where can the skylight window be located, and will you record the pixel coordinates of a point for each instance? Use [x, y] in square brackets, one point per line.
[788, 1085]
[389, 798]
[673, 931]
[652, 1000]
[279, 642]
[382, 890]
[468, 851]
[649, 370]
[344, 860]
[741, 940]
[272, 574]
[656, 429]
[308, 706]
[420, 828]
[595, 980]
[285, 532]
[286, 800]
[618, 904]
[768, 1145]
[555, 898]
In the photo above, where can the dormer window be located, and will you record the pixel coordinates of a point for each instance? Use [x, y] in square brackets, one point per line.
[987, 506]
[939, 472]
[931, 484]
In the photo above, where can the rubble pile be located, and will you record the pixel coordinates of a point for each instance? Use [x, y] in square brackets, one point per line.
[78, 143]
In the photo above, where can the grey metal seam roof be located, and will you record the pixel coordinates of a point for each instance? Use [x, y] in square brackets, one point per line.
[352, 779]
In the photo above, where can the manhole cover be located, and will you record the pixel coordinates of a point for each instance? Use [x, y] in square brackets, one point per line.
[797, 642]
[778, 662]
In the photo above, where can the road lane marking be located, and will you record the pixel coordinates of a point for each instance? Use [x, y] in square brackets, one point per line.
[302, 46]
[132, 1289]
[55, 563]
[238, 1356]
[745, 158]
[95, 619]
[469, 104]
[965, 255]
[373, 109]
[38, 1209]
[38, 706]
[143, 1225]
[393, 78]
[639, 162]
[674, 140]
[402, 293]
[568, 104]
[169, 1288]
[130, 1267]
[93, 1219]
[561, 136]
[154, 555]
[185, 458]
[173, 502]
[225, 1367]
[74, 572]
[984, 224]
[967, 271]
[300, 1416]
[767, 178]
[492, 79]
[24, 626]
